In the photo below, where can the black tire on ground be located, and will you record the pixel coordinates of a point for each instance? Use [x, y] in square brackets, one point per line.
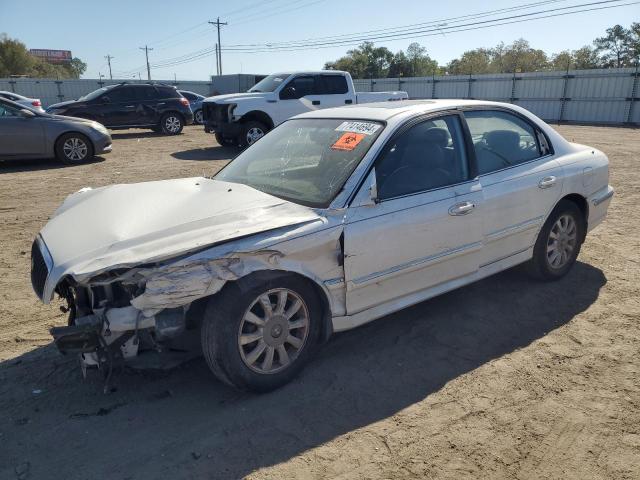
[564, 231]
[197, 117]
[251, 132]
[225, 141]
[73, 148]
[223, 325]
[171, 123]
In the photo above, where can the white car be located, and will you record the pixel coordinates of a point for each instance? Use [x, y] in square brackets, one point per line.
[34, 103]
[243, 118]
[334, 219]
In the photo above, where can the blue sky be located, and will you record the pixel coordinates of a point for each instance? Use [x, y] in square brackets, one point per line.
[92, 29]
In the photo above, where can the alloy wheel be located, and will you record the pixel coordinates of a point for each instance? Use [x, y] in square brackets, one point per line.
[254, 134]
[75, 149]
[172, 124]
[273, 331]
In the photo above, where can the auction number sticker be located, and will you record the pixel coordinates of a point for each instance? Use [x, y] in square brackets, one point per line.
[365, 128]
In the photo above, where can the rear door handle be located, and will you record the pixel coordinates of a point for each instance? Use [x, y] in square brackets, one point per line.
[463, 208]
[547, 182]
[315, 102]
[129, 106]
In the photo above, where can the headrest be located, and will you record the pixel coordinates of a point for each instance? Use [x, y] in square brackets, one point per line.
[438, 136]
[502, 139]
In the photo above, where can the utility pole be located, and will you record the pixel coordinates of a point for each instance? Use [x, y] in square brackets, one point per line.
[109, 58]
[217, 64]
[218, 24]
[146, 53]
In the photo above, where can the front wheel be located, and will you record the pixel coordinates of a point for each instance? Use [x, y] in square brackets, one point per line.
[73, 148]
[259, 336]
[171, 123]
[197, 117]
[558, 243]
[251, 133]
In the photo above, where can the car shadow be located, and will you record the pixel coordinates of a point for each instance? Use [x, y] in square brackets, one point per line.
[116, 135]
[211, 153]
[14, 166]
[184, 424]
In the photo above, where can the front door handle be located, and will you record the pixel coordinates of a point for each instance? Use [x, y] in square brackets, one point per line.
[547, 182]
[463, 208]
[316, 102]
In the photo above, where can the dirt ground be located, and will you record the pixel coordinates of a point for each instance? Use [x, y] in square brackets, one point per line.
[506, 378]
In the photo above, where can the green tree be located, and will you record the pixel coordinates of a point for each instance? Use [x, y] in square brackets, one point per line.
[15, 59]
[472, 61]
[519, 57]
[633, 41]
[615, 47]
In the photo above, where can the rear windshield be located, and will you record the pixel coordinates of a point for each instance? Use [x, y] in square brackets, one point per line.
[306, 161]
[167, 92]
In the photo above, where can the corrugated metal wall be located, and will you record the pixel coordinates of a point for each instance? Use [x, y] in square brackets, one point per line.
[607, 96]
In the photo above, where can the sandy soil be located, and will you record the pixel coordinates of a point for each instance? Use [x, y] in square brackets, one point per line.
[506, 378]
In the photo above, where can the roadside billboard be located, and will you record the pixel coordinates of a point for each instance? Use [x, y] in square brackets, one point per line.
[52, 56]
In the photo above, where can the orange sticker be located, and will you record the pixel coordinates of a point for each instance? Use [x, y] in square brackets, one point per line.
[348, 141]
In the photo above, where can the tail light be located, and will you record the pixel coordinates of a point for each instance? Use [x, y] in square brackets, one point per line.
[184, 102]
[36, 103]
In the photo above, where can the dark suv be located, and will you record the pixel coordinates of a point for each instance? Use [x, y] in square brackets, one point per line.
[159, 107]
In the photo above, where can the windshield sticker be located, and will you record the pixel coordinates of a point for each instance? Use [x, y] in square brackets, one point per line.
[348, 141]
[366, 128]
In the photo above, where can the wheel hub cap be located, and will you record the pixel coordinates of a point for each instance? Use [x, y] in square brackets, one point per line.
[273, 330]
[562, 241]
[74, 149]
[254, 134]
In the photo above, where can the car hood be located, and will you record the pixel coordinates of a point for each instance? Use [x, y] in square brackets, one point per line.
[130, 224]
[235, 97]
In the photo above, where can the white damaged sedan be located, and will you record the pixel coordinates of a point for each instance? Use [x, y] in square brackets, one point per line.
[335, 218]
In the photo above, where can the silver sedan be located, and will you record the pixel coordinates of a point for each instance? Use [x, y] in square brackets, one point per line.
[26, 133]
[333, 219]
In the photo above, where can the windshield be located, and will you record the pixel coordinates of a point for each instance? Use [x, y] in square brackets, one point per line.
[94, 94]
[270, 83]
[306, 161]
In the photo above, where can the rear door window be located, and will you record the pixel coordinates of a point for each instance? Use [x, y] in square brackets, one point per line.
[145, 93]
[501, 139]
[332, 85]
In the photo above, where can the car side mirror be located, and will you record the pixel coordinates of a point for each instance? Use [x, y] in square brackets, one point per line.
[289, 93]
[24, 113]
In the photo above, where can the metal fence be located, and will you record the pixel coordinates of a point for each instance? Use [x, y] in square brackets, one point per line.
[604, 96]
[53, 91]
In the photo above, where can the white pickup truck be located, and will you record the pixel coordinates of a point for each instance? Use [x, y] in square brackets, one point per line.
[242, 118]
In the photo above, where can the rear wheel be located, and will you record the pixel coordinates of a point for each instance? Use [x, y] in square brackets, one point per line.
[259, 336]
[558, 243]
[73, 148]
[171, 123]
[252, 132]
[197, 117]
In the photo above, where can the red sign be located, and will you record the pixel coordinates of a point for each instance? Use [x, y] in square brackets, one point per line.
[52, 56]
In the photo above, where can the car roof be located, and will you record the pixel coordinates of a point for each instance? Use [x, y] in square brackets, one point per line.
[13, 94]
[385, 111]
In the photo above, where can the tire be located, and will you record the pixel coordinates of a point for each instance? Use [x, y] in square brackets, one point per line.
[73, 148]
[251, 132]
[197, 117]
[225, 141]
[249, 357]
[171, 123]
[558, 243]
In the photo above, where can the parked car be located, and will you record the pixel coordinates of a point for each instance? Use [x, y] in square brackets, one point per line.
[26, 133]
[195, 102]
[33, 103]
[334, 219]
[243, 118]
[126, 105]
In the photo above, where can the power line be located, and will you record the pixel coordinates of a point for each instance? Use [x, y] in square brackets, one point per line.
[424, 33]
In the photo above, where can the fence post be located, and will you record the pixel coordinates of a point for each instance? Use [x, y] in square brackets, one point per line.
[564, 99]
[60, 94]
[433, 86]
[13, 85]
[373, 82]
[512, 98]
[634, 95]
[469, 86]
